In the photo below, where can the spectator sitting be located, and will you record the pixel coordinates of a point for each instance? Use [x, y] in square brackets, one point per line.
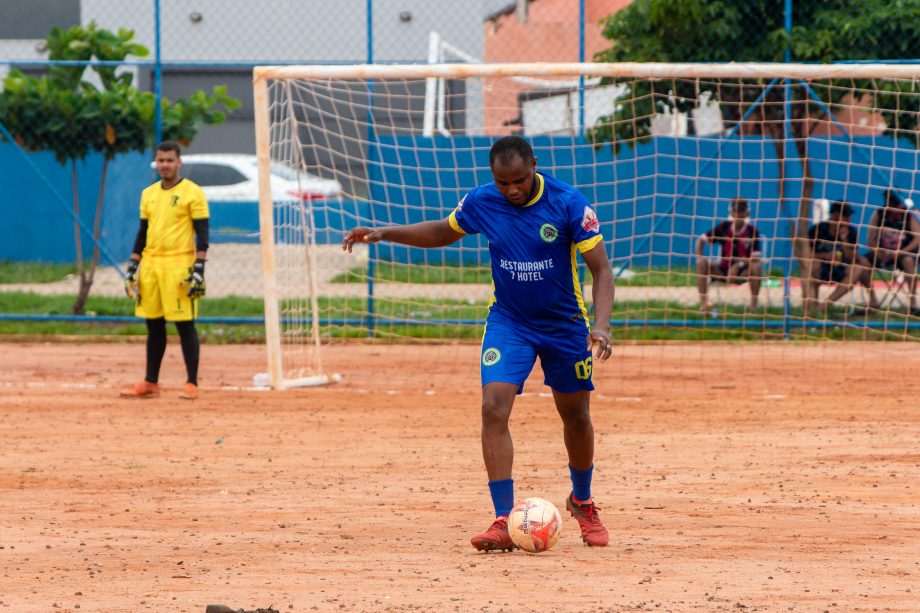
[894, 239]
[739, 261]
[834, 259]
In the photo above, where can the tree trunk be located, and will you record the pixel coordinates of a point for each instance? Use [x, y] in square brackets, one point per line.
[798, 228]
[86, 281]
[97, 222]
[80, 303]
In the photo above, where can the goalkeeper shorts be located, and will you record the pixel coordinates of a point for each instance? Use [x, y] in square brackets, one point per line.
[163, 295]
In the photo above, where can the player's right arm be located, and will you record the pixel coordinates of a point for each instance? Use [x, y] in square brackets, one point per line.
[425, 234]
[702, 239]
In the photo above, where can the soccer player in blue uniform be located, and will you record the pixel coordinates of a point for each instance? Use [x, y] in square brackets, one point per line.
[534, 225]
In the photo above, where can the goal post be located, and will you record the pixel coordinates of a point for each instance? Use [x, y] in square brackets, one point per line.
[659, 149]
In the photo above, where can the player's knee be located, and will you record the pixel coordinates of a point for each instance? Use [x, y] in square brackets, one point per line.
[579, 418]
[495, 413]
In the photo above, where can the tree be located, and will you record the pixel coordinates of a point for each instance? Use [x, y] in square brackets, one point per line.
[71, 116]
[753, 31]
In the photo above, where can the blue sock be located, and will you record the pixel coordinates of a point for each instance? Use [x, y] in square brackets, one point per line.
[502, 496]
[581, 482]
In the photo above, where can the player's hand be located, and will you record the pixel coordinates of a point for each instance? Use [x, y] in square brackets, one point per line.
[360, 235]
[195, 280]
[131, 280]
[599, 342]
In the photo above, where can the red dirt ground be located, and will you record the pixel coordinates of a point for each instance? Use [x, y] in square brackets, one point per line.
[732, 477]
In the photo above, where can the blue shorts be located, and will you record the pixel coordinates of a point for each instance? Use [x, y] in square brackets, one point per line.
[510, 351]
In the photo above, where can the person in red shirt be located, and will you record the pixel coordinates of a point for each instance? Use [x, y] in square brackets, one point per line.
[739, 259]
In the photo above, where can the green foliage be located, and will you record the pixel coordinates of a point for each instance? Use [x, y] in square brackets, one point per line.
[753, 31]
[71, 116]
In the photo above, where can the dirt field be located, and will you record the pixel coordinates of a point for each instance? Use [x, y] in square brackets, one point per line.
[732, 478]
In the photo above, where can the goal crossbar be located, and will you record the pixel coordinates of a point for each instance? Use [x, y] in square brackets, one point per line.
[649, 70]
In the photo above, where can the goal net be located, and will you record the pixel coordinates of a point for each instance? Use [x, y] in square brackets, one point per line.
[660, 149]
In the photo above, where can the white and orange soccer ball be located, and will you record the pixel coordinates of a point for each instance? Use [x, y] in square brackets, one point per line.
[535, 525]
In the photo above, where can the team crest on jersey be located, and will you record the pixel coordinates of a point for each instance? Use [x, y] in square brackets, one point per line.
[174, 201]
[548, 232]
[491, 356]
[590, 222]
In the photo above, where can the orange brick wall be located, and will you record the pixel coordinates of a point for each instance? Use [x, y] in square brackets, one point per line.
[549, 34]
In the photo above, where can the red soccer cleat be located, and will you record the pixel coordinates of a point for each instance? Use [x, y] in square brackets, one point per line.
[593, 532]
[142, 389]
[496, 537]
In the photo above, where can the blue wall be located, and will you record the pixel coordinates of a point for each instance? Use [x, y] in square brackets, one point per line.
[652, 200]
[38, 225]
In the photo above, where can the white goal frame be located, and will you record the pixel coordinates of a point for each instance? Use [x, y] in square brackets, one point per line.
[431, 71]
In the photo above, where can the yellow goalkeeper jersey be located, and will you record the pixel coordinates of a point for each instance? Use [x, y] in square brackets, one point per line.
[169, 214]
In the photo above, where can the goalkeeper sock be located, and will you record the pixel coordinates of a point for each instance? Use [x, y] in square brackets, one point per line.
[502, 496]
[156, 348]
[188, 336]
[581, 483]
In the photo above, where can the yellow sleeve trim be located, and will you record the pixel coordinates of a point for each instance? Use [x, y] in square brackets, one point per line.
[589, 243]
[452, 220]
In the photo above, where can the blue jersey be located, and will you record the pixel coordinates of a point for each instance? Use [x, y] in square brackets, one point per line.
[532, 248]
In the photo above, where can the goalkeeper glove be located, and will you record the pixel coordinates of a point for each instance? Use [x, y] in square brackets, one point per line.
[195, 280]
[131, 280]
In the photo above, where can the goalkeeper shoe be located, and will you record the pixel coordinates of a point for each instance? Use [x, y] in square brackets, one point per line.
[142, 389]
[189, 392]
[593, 532]
[496, 537]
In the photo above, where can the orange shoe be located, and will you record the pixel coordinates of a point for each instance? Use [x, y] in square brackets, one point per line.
[190, 392]
[142, 389]
[593, 532]
[496, 537]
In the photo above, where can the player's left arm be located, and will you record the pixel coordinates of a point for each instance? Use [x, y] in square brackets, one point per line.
[756, 245]
[602, 292]
[202, 227]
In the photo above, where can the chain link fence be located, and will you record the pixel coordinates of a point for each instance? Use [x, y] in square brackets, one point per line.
[188, 47]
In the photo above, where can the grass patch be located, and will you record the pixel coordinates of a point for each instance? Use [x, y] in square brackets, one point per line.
[402, 319]
[34, 272]
[392, 272]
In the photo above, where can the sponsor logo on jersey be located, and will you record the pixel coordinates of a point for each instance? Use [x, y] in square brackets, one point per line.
[174, 201]
[491, 356]
[590, 222]
[460, 204]
[548, 232]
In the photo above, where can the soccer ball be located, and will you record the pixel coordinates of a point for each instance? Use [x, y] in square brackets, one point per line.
[535, 525]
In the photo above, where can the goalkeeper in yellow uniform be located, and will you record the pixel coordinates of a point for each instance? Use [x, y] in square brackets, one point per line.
[166, 270]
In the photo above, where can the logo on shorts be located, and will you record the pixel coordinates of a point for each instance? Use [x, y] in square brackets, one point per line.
[491, 356]
[548, 232]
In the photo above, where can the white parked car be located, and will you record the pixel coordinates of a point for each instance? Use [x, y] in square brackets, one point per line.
[234, 177]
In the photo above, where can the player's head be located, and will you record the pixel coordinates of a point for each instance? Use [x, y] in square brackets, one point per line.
[739, 208]
[514, 169]
[893, 200]
[840, 212]
[168, 159]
